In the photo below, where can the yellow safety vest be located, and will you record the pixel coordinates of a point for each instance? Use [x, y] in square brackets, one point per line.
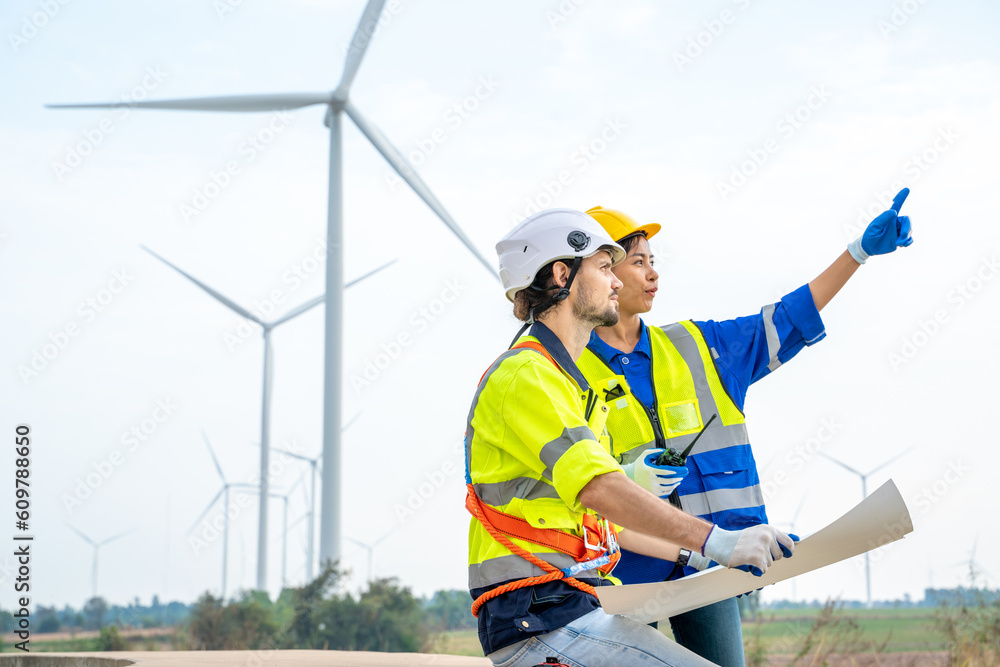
[688, 391]
[530, 449]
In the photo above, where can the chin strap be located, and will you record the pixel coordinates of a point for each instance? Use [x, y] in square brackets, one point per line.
[551, 301]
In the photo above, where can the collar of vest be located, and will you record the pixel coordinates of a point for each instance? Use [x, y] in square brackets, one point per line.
[558, 351]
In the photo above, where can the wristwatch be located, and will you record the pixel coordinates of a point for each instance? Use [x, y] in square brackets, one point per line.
[683, 557]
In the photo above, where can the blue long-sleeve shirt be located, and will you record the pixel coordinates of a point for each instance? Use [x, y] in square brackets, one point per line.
[744, 353]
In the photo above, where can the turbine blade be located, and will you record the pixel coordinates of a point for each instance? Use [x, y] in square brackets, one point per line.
[288, 453]
[358, 542]
[891, 460]
[211, 451]
[298, 521]
[842, 465]
[86, 539]
[406, 172]
[232, 305]
[359, 45]
[391, 531]
[207, 507]
[348, 424]
[369, 274]
[239, 103]
[295, 312]
[122, 534]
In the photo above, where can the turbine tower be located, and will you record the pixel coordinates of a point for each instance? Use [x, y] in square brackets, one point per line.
[265, 411]
[97, 546]
[337, 102]
[864, 494]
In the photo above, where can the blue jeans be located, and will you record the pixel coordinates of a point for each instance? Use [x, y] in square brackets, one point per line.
[598, 640]
[713, 632]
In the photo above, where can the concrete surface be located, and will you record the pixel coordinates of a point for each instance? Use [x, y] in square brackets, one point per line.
[243, 658]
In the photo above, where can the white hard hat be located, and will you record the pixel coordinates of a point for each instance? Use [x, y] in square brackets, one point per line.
[557, 233]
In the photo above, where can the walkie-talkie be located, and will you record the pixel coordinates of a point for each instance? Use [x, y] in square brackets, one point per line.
[671, 457]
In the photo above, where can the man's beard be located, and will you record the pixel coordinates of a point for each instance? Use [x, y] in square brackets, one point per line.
[585, 308]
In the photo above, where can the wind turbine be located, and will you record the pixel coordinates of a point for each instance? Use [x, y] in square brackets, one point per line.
[265, 412]
[337, 102]
[284, 527]
[224, 491]
[97, 546]
[864, 494]
[371, 550]
[313, 464]
[975, 568]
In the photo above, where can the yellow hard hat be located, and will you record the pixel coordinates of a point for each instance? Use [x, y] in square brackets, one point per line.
[618, 225]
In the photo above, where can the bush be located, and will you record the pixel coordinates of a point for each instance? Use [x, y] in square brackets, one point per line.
[972, 628]
[111, 640]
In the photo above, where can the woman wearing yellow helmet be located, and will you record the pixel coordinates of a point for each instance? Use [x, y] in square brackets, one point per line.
[678, 378]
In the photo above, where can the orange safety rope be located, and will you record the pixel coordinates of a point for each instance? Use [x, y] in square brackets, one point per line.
[476, 508]
[553, 573]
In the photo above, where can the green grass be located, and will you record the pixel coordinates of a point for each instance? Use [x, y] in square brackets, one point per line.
[783, 631]
[910, 629]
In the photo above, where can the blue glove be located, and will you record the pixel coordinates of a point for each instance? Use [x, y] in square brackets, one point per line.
[785, 552]
[658, 480]
[885, 233]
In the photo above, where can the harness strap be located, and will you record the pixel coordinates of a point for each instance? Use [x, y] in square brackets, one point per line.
[501, 525]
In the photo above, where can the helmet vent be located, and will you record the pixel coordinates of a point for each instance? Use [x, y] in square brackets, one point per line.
[577, 240]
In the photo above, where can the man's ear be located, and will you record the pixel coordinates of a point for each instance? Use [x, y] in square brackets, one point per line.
[560, 274]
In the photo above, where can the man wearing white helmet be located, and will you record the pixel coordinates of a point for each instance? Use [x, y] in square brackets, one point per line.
[546, 496]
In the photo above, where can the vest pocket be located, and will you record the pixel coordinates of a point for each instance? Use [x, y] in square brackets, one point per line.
[550, 513]
[725, 480]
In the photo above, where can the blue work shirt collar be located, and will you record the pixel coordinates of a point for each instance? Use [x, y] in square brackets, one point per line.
[555, 347]
[608, 353]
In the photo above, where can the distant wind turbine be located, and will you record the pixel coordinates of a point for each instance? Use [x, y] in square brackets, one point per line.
[314, 464]
[975, 569]
[224, 493]
[265, 412]
[97, 546]
[791, 529]
[337, 102]
[864, 494]
[371, 550]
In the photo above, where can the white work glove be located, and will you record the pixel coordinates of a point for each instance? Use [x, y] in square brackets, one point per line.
[751, 550]
[658, 480]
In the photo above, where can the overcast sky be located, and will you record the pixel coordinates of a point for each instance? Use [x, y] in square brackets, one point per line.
[763, 136]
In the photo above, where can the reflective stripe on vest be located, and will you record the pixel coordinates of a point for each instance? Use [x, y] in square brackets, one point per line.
[684, 378]
[504, 500]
